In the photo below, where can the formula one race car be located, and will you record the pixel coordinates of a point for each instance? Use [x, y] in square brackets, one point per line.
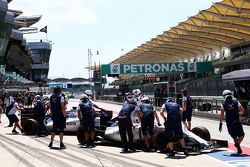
[30, 125]
[197, 140]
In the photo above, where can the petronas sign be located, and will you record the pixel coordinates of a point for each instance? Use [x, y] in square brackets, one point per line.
[168, 67]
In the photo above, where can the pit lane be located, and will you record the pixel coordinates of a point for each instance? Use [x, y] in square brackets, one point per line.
[21, 150]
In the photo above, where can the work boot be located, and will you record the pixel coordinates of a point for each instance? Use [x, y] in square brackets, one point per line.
[132, 150]
[62, 146]
[124, 150]
[50, 145]
[87, 144]
[171, 153]
[185, 152]
[239, 150]
[92, 144]
[147, 149]
[14, 131]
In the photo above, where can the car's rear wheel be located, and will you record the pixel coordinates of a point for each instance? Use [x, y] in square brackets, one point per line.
[80, 135]
[202, 132]
[30, 127]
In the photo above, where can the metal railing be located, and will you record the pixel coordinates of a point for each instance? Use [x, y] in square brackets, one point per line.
[203, 106]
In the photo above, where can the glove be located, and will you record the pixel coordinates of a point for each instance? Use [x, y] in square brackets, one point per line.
[159, 124]
[220, 127]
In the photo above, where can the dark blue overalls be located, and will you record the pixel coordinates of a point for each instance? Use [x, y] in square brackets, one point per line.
[59, 121]
[234, 125]
[173, 127]
[125, 125]
[88, 119]
[187, 114]
[147, 122]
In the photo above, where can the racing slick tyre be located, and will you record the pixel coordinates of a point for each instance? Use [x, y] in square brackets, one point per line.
[80, 135]
[30, 127]
[160, 141]
[202, 132]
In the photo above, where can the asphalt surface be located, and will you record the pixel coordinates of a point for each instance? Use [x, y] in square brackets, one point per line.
[32, 151]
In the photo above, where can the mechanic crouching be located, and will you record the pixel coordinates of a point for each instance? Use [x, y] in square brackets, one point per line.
[86, 115]
[173, 126]
[125, 124]
[147, 115]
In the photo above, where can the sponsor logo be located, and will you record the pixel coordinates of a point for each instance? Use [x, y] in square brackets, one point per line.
[115, 68]
[192, 67]
[153, 68]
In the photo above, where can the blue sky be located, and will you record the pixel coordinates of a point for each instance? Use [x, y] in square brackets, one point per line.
[107, 26]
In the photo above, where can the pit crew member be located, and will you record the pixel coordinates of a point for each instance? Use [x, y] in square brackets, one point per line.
[232, 109]
[173, 126]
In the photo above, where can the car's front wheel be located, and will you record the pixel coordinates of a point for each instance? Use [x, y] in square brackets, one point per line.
[202, 132]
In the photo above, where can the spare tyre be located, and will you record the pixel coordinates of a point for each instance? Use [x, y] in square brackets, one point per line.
[30, 127]
[202, 132]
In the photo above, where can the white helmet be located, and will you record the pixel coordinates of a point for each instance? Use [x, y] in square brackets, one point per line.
[37, 97]
[170, 99]
[145, 98]
[88, 92]
[130, 97]
[136, 92]
[84, 96]
[227, 93]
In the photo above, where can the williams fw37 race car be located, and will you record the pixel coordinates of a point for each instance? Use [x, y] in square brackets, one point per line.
[197, 140]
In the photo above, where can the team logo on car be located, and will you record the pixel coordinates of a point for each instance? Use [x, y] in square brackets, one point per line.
[115, 68]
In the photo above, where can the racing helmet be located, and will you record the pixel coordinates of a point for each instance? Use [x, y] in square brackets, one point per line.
[227, 93]
[145, 99]
[37, 97]
[136, 92]
[84, 96]
[170, 99]
[130, 97]
[88, 92]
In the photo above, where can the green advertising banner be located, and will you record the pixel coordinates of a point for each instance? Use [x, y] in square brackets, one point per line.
[168, 67]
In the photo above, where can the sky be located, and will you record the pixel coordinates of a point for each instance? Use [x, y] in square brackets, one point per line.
[110, 27]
